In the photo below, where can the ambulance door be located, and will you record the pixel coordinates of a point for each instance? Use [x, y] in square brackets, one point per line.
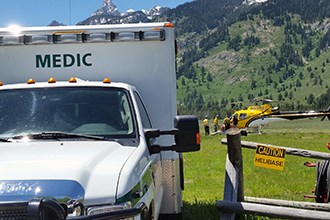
[155, 158]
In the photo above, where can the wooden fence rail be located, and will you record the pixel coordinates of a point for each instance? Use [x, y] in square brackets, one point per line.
[234, 200]
[288, 150]
[271, 211]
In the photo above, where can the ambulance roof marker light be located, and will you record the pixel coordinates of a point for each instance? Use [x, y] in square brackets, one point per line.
[31, 81]
[51, 80]
[72, 80]
[106, 80]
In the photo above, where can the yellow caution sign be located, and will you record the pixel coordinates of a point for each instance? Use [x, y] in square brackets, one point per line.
[269, 157]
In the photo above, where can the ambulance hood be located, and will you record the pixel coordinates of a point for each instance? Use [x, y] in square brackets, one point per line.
[75, 170]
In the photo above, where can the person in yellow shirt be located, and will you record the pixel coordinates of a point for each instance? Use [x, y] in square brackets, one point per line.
[216, 123]
[206, 125]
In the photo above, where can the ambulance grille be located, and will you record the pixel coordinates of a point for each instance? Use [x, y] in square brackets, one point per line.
[17, 214]
[42, 209]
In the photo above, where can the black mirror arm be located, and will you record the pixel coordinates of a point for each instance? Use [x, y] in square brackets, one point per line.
[155, 149]
[154, 133]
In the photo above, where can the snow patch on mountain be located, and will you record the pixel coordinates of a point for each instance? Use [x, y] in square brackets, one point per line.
[251, 2]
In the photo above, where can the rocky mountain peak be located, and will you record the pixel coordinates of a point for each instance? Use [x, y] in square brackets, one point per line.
[109, 14]
[108, 8]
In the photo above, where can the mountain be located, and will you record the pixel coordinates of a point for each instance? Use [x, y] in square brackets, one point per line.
[56, 23]
[109, 14]
[108, 8]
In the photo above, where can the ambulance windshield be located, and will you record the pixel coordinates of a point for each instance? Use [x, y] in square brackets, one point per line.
[94, 111]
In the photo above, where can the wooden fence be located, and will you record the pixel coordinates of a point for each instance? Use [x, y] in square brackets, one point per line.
[234, 201]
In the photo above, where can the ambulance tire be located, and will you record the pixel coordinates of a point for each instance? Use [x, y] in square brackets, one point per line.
[147, 214]
[321, 181]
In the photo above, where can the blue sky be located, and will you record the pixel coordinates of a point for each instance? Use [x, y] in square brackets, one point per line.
[42, 12]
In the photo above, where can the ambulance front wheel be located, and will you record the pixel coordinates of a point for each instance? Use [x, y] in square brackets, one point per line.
[147, 214]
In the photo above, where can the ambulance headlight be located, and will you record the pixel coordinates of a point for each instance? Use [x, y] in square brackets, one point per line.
[108, 208]
[77, 211]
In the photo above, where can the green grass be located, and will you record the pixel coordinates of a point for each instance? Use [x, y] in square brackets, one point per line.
[205, 170]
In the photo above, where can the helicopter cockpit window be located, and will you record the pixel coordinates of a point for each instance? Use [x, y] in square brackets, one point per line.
[242, 116]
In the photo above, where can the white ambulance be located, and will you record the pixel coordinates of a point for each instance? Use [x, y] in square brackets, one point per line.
[88, 125]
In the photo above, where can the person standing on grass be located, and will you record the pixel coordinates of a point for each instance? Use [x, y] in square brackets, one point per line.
[216, 123]
[206, 125]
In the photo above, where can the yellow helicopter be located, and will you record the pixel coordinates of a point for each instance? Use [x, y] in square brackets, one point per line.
[243, 118]
[257, 115]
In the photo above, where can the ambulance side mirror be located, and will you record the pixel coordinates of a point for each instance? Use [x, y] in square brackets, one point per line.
[188, 137]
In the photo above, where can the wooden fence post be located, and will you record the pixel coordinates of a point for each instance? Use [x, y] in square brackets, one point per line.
[234, 187]
[235, 156]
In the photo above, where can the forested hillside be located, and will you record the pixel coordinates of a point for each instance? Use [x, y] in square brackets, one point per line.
[231, 53]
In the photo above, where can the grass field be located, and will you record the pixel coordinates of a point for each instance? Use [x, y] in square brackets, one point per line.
[205, 170]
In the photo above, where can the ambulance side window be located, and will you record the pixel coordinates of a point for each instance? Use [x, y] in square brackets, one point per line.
[143, 112]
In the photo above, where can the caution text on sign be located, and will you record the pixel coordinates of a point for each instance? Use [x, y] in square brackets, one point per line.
[269, 157]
